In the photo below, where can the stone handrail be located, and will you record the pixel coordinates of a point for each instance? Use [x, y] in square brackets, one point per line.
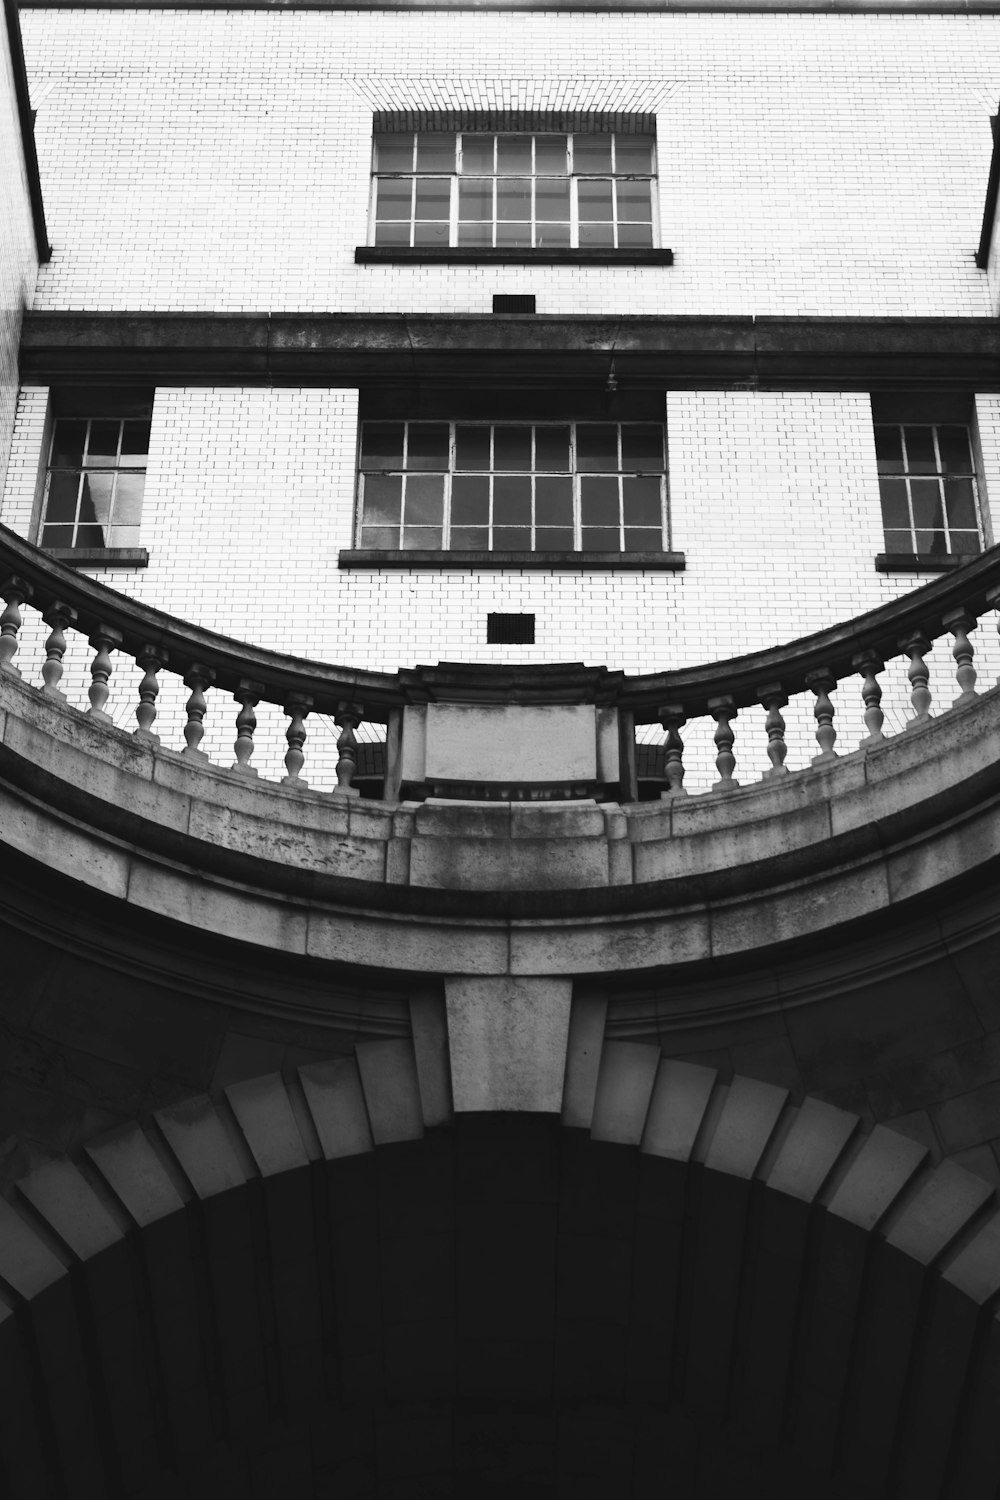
[156, 641]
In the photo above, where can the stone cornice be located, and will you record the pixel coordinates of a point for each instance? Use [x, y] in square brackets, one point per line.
[489, 352]
[639, 7]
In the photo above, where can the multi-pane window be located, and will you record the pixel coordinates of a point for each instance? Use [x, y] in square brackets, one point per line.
[492, 188]
[95, 482]
[927, 480]
[513, 487]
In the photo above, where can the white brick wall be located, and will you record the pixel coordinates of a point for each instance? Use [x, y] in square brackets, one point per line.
[808, 163]
[18, 262]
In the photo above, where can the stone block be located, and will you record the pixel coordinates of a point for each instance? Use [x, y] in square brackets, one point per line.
[809, 1152]
[264, 1114]
[748, 1119]
[388, 1072]
[199, 1141]
[508, 1039]
[51, 841]
[603, 947]
[939, 1211]
[509, 742]
[975, 1270]
[424, 947]
[429, 1023]
[624, 1087]
[876, 1177]
[524, 864]
[558, 820]
[64, 1198]
[132, 1169]
[970, 1119]
[588, 1016]
[26, 1262]
[226, 910]
[680, 1097]
[336, 1103]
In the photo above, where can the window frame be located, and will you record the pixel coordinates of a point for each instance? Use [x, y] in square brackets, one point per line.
[934, 412]
[73, 406]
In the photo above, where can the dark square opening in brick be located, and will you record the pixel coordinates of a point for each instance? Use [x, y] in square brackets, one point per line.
[510, 630]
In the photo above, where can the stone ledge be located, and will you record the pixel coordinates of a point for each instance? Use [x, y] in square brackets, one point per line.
[422, 255]
[647, 562]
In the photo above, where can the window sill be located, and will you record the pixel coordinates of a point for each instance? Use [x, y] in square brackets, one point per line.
[916, 562]
[647, 562]
[100, 557]
[478, 255]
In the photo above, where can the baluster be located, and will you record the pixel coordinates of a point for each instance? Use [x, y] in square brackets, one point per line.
[198, 678]
[960, 622]
[672, 718]
[104, 640]
[869, 665]
[822, 682]
[297, 707]
[58, 617]
[723, 711]
[918, 672]
[16, 592]
[151, 659]
[248, 695]
[773, 697]
[993, 602]
[347, 718]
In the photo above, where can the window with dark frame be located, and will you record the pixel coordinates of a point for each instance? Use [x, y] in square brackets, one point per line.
[94, 482]
[494, 189]
[927, 476]
[513, 486]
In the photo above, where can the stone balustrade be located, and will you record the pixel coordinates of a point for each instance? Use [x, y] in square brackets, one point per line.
[478, 704]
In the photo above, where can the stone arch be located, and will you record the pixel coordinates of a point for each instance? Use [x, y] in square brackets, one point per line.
[319, 1282]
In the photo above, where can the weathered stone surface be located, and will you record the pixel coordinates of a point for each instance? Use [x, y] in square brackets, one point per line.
[265, 1117]
[337, 1104]
[508, 1041]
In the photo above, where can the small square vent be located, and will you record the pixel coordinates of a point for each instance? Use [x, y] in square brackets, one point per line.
[511, 302]
[510, 630]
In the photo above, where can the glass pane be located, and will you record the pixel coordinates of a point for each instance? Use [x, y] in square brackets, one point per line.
[513, 153]
[552, 449]
[889, 450]
[433, 197]
[633, 153]
[424, 500]
[635, 236]
[554, 539]
[430, 234]
[511, 539]
[597, 236]
[68, 441]
[552, 236]
[102, 448]
[470, 538]
[57, 536]
[393, 234]
[470, 500]
[554, 502]
[512, 448]
[641, 502]
[63, 492]
[475, 234]
[417, 537]
[428, 446]
[514, 234]
[920, 457]
[394, 152]
[965, 542]
[124, 536]
[894, 507]
[898, 541]
[592, 153]
[594, 200]
[514, 198]
[933, 543]
[953, 444]
[95, 500]
[90, 536]
[599, 502]
[477, 153]
[643, 539]
[635, 201]
[642, 448]
[511, 500]
[382, 445]
[475, 198]
[135, 445]
[601, 539]
[436, 151]
[472, 447]
[128, 502]
[596, 447]
[382, 499]
[960, 499]
[926, 497]
[552, 198]
[385, 537]
[393, 198]
[550, 154]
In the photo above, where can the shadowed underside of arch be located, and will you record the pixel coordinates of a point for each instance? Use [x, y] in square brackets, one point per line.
[681, 1288]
